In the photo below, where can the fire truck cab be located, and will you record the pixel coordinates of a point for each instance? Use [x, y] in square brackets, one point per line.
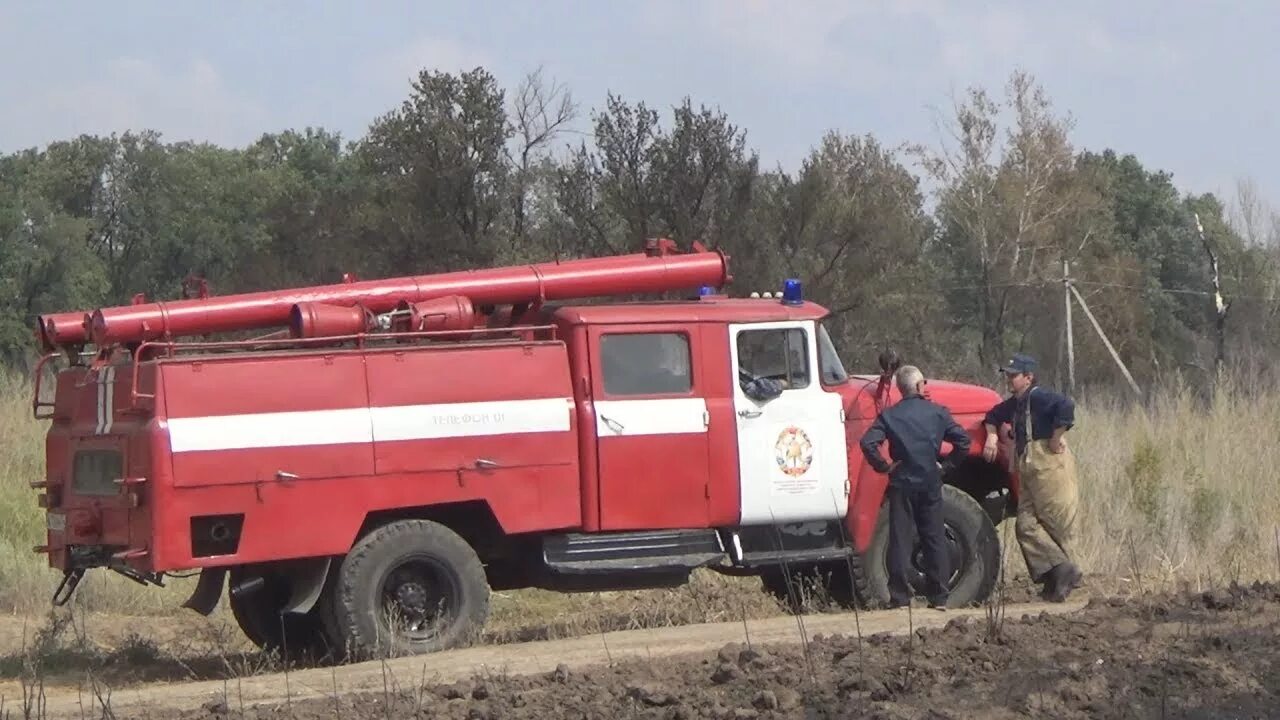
[353, 492]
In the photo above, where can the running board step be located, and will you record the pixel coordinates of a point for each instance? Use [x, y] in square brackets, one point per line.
[817, 555]
[588, 553]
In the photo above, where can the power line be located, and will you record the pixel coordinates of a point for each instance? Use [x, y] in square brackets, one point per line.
[1173, 291]
[1049, 283]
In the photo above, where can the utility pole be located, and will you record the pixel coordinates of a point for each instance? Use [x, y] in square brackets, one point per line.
[1098, 327]
[1071, 350]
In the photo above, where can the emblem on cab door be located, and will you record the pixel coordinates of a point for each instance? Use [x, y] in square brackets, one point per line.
[793, 451]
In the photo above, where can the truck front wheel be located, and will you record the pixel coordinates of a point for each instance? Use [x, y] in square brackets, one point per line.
[412, 586]
[972, 548]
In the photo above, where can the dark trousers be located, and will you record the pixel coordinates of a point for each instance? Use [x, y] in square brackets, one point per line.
[912, 510]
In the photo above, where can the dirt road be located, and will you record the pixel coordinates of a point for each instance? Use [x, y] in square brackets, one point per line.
[406, 674]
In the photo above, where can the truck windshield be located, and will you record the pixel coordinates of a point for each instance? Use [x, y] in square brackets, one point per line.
[833, 372]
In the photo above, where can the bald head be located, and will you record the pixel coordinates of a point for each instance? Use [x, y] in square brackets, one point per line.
[909, 379]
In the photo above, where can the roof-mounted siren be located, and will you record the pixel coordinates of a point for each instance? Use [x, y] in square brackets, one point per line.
[707, 292]
[792, 293]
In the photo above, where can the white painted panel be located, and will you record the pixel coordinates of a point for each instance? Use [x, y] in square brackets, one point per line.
[264, 430]
[363, 425]
[666, 416]
[106, 400]
[792, 454]
[501, 417]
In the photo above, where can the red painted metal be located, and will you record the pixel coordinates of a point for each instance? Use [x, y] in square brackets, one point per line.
[61, 330]
[649, 272]
[585, 416]
[722, 448]
[313, 319]
[675, 492]
[864, 399]
[389, 424]
[546, 485]
[452, 312]
[534, 483]
[36, 402]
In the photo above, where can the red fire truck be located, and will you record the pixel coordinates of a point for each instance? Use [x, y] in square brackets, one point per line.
[366, 473]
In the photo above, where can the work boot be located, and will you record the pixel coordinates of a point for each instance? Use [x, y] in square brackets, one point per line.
[1046, 582]
[1061, 580]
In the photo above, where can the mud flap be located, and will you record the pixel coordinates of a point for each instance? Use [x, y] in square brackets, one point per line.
[208, 591]
[306, 578]
[66, 588]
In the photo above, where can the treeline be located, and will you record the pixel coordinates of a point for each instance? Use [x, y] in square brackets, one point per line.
[951, 252]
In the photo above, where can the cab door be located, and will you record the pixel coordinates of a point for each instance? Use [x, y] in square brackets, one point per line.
[651, 427]
[793, 464]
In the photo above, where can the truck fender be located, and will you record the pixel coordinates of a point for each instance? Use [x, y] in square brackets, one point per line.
[208, 591]
[306, 578]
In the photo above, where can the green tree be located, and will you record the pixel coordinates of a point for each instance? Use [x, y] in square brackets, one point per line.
[1007, 209]
[852, 226]
[438, 174]
[692, 182]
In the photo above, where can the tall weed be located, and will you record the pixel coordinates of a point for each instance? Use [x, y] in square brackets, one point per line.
[1188, 488]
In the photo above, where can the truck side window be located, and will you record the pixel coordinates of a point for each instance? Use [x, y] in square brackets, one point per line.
[780, 354]
[645, 363]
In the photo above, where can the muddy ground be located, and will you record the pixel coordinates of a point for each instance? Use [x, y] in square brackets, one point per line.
[1189, 655]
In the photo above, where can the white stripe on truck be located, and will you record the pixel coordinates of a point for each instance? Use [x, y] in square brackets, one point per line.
[428, 422]
[667, 416]
[106, 381]
[364, 425]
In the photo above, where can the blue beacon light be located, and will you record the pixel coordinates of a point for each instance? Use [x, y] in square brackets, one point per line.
[706, 290]
[792, 293]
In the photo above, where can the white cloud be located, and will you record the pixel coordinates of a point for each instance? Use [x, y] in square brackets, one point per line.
[861, 45]
[798, 32]
[874, 45]
[191, 102]
[393, 70]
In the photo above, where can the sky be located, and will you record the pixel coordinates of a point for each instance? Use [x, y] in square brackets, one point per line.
[1187, 87]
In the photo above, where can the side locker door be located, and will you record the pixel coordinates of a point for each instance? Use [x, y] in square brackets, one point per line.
[651, 428]
[793, 464]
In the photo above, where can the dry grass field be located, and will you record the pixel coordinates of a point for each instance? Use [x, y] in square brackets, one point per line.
[1177, 494]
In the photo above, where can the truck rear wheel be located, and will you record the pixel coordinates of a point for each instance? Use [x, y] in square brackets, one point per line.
[258, 613]
[972, 546]
[412, 586]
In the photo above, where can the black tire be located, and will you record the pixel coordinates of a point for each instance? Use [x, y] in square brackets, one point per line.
[973, 552]
[840, 583]
[258, 613]
[407, 567]
[797, 588]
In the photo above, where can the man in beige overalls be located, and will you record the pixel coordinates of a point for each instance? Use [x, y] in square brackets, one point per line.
[1048, 491]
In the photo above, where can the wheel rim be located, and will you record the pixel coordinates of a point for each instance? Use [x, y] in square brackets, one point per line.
[957, 551]
[419, 599]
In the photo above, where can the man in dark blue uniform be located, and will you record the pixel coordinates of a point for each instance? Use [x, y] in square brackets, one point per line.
[915, 428]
